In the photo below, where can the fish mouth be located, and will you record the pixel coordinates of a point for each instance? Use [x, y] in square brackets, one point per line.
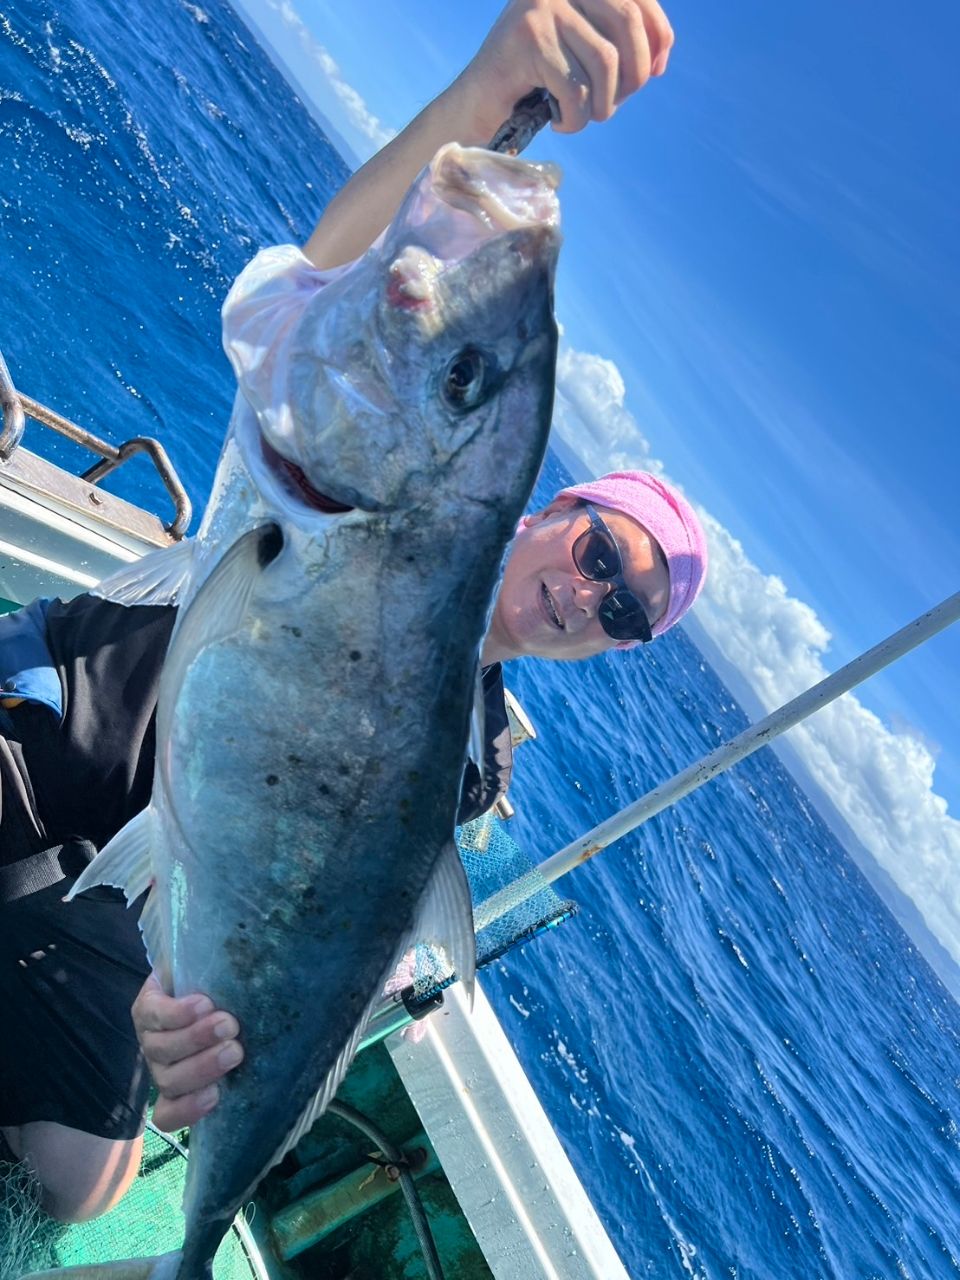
[550, 608]
[502, 192]
[468, 195]
[294, 481]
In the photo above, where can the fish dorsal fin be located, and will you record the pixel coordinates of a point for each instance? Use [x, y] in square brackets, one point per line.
[126, 862]
[157, 578]
[445, 918]
[216, 611]
[327, 1091]
[324, 1095]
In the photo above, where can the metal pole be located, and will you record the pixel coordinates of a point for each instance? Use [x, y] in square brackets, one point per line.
[730, 753]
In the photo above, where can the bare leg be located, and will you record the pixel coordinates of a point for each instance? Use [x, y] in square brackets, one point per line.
[82, 1175]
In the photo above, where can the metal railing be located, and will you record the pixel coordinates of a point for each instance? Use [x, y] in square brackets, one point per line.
[18, 407]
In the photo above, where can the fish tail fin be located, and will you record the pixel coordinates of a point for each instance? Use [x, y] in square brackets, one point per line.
[164, 1267]
[126, 863]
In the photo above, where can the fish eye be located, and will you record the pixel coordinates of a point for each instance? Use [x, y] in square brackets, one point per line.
[463, 385]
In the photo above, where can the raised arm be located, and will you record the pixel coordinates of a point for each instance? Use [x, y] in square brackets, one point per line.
[591, 56]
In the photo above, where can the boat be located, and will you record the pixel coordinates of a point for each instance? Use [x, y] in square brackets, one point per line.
[437, 1157]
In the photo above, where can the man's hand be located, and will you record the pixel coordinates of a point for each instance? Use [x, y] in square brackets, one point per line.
[188, 1046]
[591, 55]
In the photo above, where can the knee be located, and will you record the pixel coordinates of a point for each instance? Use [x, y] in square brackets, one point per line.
[85, 1200]
[81, 1175]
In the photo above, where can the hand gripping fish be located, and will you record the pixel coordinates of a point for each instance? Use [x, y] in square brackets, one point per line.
[315, 704]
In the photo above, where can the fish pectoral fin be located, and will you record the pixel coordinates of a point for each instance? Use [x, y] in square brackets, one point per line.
[445, 917]
[157, 578]
[126, 863]
[215, 612]
[219, 607]
[123, 862]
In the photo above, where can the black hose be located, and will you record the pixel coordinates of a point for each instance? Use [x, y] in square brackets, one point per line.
[407, 1186]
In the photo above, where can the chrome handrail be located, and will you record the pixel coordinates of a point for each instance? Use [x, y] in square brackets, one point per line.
[13, 416]
[17, 407]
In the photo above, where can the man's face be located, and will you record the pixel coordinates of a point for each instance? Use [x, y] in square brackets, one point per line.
[546, 608]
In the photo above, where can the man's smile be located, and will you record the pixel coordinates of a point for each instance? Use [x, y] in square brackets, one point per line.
[550, 608]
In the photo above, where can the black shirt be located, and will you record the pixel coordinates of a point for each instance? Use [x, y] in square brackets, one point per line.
[70, 972]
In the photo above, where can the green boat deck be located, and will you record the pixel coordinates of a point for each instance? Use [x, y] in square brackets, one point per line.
[377, 1243]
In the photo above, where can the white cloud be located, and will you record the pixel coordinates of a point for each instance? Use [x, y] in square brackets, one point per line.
[590, 415]
[355, 108]
[881, 781]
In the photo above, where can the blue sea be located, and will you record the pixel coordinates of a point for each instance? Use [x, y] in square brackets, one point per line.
[753, 1070]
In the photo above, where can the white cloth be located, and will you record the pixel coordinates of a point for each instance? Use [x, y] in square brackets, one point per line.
[260, 317]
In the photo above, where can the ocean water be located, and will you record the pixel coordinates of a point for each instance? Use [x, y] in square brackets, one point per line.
[754, 1072]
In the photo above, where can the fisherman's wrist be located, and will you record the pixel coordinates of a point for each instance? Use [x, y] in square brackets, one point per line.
[460, 113]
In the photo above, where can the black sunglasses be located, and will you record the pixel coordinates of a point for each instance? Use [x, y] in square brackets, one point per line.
[597, 557]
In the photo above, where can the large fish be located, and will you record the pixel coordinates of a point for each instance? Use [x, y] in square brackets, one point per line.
[315, 704]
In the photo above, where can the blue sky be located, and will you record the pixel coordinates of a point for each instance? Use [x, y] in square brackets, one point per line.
[764, 245]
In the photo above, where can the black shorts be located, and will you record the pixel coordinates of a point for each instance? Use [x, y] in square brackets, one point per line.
[68, 1052]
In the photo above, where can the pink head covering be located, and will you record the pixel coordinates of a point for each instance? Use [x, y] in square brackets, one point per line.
[669, 518]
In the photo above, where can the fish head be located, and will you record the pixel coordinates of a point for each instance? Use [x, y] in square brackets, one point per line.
[427, 370]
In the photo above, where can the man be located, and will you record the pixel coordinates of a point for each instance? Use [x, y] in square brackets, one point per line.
[603, 565]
